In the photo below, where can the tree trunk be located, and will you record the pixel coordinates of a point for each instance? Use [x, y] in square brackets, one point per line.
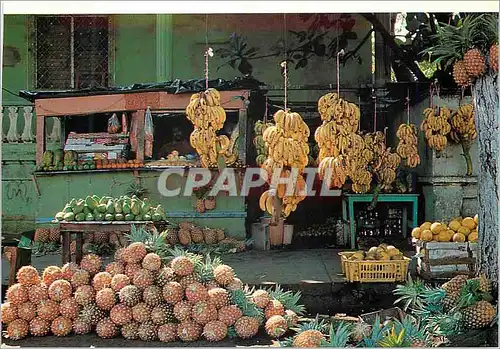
[485, 95]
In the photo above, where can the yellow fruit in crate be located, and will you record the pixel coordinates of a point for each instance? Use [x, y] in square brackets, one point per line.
[436, 227]
[458, 237]
[372, 250]
[381, 250]
[443, 236]
[358, 256]
[455, 225]
[476, 219]
[473, 237]
[458, 219]
[464, 230]
[398, 257]
[392, 251]
[383, 246]
[425, 226]
[371, 257]
[415, 233]
[426, 235]
[450, 234]
[383, 256]
[435, 237]
[469, 223]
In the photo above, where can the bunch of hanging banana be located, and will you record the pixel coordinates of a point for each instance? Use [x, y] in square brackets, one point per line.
[436, 127]
[332, 107]
[207, 116]
[259, 143]
[286, 143]
[407, 146]
[359, 174]
[463, 126]
[386, 171]
[331, 169]
[289, 202]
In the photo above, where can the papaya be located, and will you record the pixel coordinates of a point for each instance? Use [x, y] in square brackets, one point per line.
[129, 217]
[109, 216]
[72, 203]
[80, 217]
[119, 217]
[156, 217]
[60, 216]
[103, 200]
[126, 208]
[110, 207]
[145, 207]
[48, 158]
[135, 207]
[78, 207]
[118, 207]
[139, 218]
[147, 217]
[70, 216]
[86, 209]
[90, 202]
[89, 217]
[58, 157]
[67, 209]
[101, 208]
[99, 216]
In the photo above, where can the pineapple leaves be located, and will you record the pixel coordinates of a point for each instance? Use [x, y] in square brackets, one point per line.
[338, 336]
[289, 299]
[410, 294]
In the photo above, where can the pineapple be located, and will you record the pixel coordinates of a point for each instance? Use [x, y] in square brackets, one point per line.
[173, 292]
[162, 314]
[167, 333]
[59, 290]
[474, 63]
[143, 278]
[120, 314]
[224, 274]
[69, 308]
[48, 310]
[80, 277]
[165, 275]
[182, 310]
[182, 266]
[130, 295]
[119, 281]
[494, 57]
[219, 235]
[39, 327]
[54, 234]
[172, 236]
[106, 329]
[152, 295]
[274, 307]
[276, 326]
[9, 312]
[360, 330]
[209, 236]
[200, 205]
[189, 331]
[230, 314]
[460, 74]
[234, 285]
[247, 326]
[135, 252]
[261, 298]
[203, 312]
[215, 331]
[37, 293]
[184, 237]
[129, 331]
[188, 280]
[26, 311]
[291, 318]
[17, 329]
[456, 284]
[84, 295]
[61, 326]
[141, 312]
[91, 314]
[105, 299]
[81, 327]
[484, 283]
[91, 263]
[100, 237]
[102, 280]
[115, 268]
[42, 235]
[308, 339]
[131, 269]
[210, 203]
[151, 262]
[479, 315]
[147, 331]
[51, 274]
[196, 292]
[197, 235]
[68, 270]
[28, 276]
[218, 297]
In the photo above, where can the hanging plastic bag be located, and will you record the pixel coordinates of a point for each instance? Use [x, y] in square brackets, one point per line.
[133, 134]
[148, 134]
[113, 124]
[124, 123]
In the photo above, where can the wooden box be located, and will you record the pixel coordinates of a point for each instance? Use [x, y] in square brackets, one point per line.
[444, 260]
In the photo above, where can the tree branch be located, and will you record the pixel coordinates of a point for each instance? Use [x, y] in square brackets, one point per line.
[357, 48]
[398, 51]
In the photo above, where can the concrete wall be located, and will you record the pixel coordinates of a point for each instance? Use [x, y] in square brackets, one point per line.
[447, 191]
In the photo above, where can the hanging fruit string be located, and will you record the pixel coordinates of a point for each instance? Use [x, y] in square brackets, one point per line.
[375, 114]
[359, 107]
[284, 63]
[266, 110]
[431, 95]
[408, 105]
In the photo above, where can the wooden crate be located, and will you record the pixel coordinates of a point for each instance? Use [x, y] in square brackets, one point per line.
[444, 260]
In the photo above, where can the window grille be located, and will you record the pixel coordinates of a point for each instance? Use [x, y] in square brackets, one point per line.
[72, 52]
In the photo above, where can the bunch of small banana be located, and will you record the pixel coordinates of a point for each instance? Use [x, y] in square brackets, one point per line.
[287, 147]
[289, 202]
[386, 171]
[407, 146]
[357, 169]
[204, 110]
[332, 107]
[331, 169]
[463, 126]
[436, 127]
[259, 143]
[375, 142]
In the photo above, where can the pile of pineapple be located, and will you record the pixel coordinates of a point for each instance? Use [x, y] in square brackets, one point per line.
[457, 230]
[141, 296]
[382, 252]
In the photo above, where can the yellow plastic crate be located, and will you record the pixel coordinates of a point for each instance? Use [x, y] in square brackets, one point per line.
[343, 258]
[376, 271]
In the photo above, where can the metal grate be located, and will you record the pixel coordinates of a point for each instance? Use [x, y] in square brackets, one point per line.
[71, 51]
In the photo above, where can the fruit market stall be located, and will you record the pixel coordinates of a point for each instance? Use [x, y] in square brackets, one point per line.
[118, 142]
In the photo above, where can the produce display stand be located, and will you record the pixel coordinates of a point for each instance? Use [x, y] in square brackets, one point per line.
[349, 200]
[81, 228]
[230, 212]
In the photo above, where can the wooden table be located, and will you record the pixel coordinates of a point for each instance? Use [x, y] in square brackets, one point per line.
[80, 228]
[348, 211]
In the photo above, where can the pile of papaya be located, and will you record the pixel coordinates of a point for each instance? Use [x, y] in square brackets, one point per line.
[106, 208]
[59, 160]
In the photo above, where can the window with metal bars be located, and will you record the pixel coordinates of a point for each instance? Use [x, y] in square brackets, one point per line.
[71, 51]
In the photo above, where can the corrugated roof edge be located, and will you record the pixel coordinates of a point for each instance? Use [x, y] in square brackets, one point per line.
[174, 86]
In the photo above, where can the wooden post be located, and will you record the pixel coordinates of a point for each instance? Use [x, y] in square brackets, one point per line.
[66, 252]
[40, 138]
[140, 134]
[79, 247]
